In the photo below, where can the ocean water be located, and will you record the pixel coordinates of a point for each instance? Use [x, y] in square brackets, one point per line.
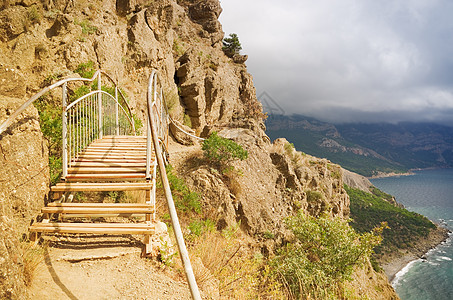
[430, 193]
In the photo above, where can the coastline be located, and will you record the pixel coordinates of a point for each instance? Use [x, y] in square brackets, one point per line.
[408, 173]
[394, 263]
[391, 174]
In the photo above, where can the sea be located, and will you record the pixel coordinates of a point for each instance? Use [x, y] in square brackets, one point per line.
[430, 193]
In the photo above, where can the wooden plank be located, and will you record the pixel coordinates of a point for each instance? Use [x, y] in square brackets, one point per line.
[123, 176]
[107, 184]
[66, 204]
[109, 156]
[101, 187]
[97, 225]
[110, 160]
[92, 170]
[100, 228]
[124, 137]
[136, 148]
[118, 215]
[116, 150]
[96, 210]
[107, 164]
[140, 145]
[113, 153]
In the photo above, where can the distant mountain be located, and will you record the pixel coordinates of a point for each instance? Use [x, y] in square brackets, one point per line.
[368, 149]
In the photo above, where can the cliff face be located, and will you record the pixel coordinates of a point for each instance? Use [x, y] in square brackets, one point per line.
[47, 40]
[181, 39]
[24, 180]
[274, 182]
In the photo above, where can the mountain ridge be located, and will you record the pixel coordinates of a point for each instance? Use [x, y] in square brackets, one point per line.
[369, 149]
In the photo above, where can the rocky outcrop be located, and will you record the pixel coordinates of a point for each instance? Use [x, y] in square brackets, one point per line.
[356, 181]
[274, 182]
[128, 38]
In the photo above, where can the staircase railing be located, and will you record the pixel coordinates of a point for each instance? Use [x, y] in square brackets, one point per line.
[87, 118]
[158, 115]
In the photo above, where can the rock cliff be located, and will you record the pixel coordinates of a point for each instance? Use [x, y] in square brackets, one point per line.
[24, 181]
[42, 41]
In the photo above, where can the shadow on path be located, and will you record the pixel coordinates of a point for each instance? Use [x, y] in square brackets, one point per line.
[55, 277]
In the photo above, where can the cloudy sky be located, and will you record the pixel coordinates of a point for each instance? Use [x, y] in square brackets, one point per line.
[349, 60]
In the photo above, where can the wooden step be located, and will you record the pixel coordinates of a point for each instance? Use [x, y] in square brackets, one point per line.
[124, 137]
[113, 176]
[109, 158]
[107, 164]
[91, 204]
[101, 187]
[100, 170]
[100, 157]
[115, 151]
[137, 145]
[89, 211]
[132, 149]
[96, 228]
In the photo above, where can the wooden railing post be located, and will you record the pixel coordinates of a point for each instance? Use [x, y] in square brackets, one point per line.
[117, 125]
[64, 131]
[148, 149]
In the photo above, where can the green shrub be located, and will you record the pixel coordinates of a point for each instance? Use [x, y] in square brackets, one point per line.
[178, 48]
[87, 27]
[34, 15]
[268, 235]
[187, 121]
[79, 92]
[321, 257]
[86, 70]
[222, 151]
[51, 127]
[314, 196]
[289, 148]
[185, 200]
[198, 227]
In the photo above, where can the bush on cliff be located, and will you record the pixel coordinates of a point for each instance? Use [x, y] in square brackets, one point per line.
[322, 256]
[222, 151]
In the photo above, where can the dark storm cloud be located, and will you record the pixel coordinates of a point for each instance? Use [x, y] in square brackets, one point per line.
[389, 60]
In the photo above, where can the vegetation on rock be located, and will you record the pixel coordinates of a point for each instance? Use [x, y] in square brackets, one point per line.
[322, 256]
[222, 151]
[405, 227]
[185, 200]
[51, 127]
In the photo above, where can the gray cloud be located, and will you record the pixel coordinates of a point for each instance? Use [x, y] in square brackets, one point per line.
[350, 60]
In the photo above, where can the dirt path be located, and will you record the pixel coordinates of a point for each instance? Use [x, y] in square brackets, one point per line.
[106, 268]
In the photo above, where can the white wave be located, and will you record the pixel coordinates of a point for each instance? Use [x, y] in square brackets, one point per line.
[433, 264]
[402, 272]
[444, 258]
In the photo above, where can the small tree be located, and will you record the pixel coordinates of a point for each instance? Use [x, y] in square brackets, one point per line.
[231, 45]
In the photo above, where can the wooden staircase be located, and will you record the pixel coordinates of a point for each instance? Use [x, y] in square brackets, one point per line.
[112, 158]
[113, 163]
